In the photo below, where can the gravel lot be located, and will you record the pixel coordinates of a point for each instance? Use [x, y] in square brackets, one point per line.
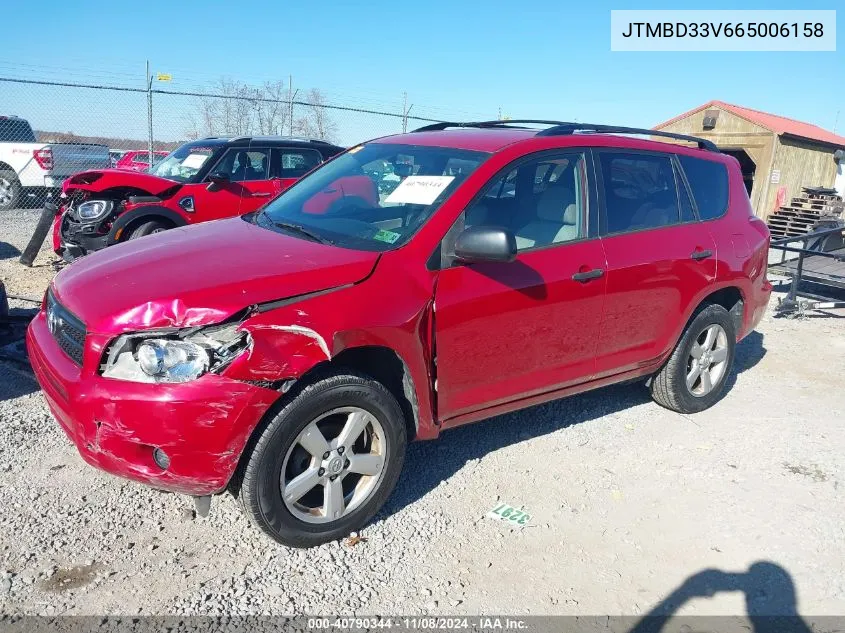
[628, 502]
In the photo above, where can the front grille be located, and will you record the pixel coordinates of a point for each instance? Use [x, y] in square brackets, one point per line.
[66, 328]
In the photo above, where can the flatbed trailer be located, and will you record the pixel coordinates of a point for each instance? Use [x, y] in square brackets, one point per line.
[819, 260]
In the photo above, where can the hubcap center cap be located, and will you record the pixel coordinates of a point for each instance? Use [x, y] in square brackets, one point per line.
[335, 465]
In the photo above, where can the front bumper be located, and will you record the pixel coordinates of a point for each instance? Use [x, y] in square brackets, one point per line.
[203, 425]
[74, 239]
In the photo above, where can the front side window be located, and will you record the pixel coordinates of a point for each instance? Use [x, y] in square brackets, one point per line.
[542, 201]
[373, 197]
[639, 191]
[243, 165]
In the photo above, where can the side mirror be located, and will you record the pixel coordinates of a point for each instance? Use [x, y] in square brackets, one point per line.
[217, 180]
[485, 244]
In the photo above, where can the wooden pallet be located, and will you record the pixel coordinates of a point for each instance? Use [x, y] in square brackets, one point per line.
[802, 213]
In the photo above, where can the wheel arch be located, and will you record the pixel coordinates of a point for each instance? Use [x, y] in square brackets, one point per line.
[381, 363]
[731, 299]
[128, 221]
[730, 296]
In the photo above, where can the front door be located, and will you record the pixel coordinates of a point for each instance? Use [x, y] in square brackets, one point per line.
[506, 331]
[659, 257]
[248, 184]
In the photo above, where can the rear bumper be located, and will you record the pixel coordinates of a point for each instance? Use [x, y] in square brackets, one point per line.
[203, 425]
[762, 293]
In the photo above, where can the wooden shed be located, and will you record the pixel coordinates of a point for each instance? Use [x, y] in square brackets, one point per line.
[778, 155]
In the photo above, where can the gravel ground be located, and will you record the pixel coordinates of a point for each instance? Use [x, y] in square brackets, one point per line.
[628, 502]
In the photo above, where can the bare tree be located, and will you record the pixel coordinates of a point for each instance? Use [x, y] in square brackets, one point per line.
[228, 108]
[270, 108]
[233, 107]
[316, 122]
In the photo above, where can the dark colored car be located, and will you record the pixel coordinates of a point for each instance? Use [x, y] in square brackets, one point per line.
[289, 355]
[202, 180]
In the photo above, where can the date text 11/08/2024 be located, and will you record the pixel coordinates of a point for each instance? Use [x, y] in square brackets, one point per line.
[417, 623]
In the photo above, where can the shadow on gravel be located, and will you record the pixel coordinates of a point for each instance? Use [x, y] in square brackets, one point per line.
[429, 463]
[15, 381]
[7, 251]
[770, 601]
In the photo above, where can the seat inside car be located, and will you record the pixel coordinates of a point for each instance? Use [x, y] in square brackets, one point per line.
[556, 219]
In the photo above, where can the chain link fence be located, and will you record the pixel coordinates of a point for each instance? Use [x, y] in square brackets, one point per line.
[94, 126]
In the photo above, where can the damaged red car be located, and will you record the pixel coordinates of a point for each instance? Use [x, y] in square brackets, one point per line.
[289, 354]
[202, 180]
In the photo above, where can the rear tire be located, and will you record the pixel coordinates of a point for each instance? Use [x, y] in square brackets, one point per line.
[148, 228]
[10, 190]
[303, 497]
[694, 377]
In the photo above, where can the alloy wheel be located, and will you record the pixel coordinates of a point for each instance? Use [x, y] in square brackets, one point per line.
[5, 191]
[707, 360]
[334, 465]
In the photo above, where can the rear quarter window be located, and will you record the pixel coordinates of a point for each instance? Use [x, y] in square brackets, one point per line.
[709, 183]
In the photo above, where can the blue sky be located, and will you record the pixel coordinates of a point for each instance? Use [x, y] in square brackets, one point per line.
[458, 59]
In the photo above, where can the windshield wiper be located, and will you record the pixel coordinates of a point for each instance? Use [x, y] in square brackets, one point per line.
[301, 230]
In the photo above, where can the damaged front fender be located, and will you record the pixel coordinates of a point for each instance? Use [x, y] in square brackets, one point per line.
[277, 352]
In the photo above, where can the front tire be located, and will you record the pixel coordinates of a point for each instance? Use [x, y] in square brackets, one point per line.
[148, 228]
[326, 462]
[694, 377]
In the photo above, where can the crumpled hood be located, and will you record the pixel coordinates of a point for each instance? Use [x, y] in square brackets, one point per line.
[200, 274]
[102, 179]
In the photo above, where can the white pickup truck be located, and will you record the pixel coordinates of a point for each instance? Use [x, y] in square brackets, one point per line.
[30, 168]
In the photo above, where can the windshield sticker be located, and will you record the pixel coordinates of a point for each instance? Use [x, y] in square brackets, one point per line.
[386, 236]
[419, 189]
[356, 149]
[194, 161]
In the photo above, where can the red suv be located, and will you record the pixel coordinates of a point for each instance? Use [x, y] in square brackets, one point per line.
[290, 354]
[137, 160]
[202, 180]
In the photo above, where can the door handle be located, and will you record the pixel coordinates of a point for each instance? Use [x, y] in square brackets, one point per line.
[595, 273]
[697, 255]
[262, 194]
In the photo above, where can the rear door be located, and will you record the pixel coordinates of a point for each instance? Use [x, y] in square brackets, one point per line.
[506, 331]
[289, 164]
[659, 257]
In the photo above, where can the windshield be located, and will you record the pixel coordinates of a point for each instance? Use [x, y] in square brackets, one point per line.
[373, 197]
[184, 163]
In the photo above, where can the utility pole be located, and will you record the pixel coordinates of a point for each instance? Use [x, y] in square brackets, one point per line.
[149, 114]
[836, 123]
[291, 97]
[406, 109]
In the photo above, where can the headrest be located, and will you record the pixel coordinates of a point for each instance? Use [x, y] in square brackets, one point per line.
[557, 204]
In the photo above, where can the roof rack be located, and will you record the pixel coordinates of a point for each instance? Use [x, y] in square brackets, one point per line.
[571, 128]
[483, 124]
[561, 128]
[302, 139]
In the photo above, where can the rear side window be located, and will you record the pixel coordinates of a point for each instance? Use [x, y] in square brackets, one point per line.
[709, 183]
[297, 163]
[15, 131]
[639, 191]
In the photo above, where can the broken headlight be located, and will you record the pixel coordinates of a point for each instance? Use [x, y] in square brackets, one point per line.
[94, 209]
[173, 357]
